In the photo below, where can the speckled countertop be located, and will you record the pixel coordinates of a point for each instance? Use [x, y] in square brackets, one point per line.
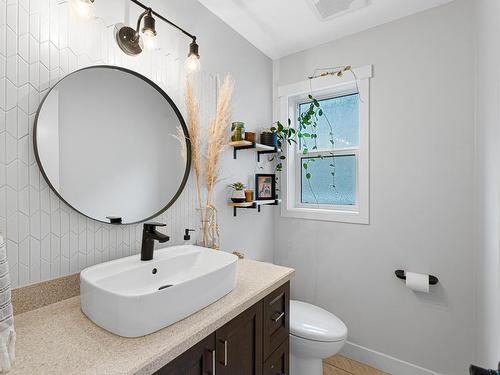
[59, 339]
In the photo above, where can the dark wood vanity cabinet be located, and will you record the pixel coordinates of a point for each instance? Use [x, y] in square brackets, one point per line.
[278, 362]
[199, 360]
[239, 344]
[254, 343]
[276, 325]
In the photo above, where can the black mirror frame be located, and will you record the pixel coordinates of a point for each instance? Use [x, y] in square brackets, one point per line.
[174, 107]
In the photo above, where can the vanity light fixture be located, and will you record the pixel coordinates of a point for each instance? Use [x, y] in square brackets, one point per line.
[133, 42]
[84, 9]
[193, 61]
[149, 32]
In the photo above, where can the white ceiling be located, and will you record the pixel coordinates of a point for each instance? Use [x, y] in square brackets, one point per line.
[282, 27]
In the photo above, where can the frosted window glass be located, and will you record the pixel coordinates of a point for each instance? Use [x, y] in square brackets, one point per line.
[322, 188]
[343, 114]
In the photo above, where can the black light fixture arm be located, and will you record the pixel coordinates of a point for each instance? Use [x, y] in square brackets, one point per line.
[193, 37]
[139, 20]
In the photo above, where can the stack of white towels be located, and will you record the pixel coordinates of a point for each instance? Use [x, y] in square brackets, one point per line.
[7, 333]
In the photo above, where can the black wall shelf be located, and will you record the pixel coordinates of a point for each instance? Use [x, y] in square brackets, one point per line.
[253, 205]
[247, 145]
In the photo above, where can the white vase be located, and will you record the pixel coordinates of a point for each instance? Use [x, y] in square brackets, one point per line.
[238, 196]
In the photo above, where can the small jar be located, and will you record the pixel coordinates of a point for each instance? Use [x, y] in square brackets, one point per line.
[249, 195]
[237, 131]
[250, 136]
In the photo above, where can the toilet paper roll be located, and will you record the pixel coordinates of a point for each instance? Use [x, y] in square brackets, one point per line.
[418, 282]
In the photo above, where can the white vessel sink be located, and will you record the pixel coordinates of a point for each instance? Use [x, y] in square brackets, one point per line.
[132, 298]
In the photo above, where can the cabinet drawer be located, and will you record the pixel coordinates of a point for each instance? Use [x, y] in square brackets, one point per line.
[276, 319]
[278, 361]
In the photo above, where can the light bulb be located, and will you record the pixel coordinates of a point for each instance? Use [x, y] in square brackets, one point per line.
[193, 64]
[148, 40]
[83, 9]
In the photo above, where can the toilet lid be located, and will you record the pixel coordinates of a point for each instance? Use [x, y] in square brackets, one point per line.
[314, 323]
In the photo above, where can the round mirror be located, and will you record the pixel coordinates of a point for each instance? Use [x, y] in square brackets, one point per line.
[106, 140]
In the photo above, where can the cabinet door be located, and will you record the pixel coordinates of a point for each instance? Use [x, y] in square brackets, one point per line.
[199, 360]
[278, 361]
[239, 344]
[276, 318]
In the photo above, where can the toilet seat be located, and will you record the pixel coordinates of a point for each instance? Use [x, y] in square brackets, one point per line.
[313, 323]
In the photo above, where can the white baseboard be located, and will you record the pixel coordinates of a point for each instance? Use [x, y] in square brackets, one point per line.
[382, 361]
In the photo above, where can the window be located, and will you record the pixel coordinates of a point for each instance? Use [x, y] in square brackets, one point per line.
[321, 182]
[332, 173]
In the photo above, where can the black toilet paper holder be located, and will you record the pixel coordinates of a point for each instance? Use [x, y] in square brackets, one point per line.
[400, 274]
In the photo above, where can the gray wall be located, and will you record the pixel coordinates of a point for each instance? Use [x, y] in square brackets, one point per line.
[488, 187]
[421, 170]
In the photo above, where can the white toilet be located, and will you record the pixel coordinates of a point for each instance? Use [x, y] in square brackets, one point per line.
[315, 334]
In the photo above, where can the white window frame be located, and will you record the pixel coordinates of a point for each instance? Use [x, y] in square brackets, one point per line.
[290, 96]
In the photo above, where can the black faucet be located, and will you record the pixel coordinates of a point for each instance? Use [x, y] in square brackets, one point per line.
[149, 235]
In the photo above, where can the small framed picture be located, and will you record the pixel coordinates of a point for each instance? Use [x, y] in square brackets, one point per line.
[265, 186]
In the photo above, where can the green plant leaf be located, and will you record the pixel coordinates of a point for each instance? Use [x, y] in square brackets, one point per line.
[304, 165]
[282, 157]
[308, 176]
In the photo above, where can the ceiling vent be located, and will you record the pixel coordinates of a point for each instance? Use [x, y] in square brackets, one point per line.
[328, 9]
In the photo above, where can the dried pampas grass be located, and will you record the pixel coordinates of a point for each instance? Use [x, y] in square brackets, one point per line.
[205, 166]
[218, 136]
[193, 123]
[181, 137]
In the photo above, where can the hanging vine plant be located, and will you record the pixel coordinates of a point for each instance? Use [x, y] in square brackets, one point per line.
[306, 131]
[305, 136]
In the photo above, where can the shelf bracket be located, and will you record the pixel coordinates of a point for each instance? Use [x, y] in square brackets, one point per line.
[254, 205]
[235, 149]
[266, 152]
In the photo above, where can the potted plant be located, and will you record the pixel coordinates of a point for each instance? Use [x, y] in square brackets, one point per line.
[268, 137]
[238, 195]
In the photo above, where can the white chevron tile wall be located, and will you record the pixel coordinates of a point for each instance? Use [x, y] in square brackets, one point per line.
[39, 44]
